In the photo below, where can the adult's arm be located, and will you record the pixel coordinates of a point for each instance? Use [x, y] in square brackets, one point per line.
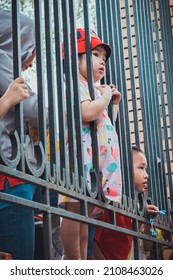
[30, 105]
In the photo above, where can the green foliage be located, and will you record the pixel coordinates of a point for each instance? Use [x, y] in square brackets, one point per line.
[92, 13]
[5, 4]
[24, 5]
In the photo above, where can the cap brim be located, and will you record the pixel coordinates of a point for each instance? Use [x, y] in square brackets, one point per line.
[95, 42]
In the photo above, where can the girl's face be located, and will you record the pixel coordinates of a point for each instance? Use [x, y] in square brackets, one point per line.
[98, 63]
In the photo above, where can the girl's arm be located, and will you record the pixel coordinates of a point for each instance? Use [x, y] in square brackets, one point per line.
[92, 110]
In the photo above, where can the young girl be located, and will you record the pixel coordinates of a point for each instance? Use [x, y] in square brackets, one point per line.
[75, 239]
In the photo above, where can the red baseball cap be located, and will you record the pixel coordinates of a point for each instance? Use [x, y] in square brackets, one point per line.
[95, 41]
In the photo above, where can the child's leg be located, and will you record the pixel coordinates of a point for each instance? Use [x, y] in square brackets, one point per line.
[84, 240]
[84, 235]
[70, 234]
[74, 234]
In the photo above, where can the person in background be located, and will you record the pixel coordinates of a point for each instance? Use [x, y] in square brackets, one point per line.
[112, 245]
[75, 240]
[17, 223]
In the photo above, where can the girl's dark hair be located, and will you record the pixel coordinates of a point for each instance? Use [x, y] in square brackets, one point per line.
[137, 149]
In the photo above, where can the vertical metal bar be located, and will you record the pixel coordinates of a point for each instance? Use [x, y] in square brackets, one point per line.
[60, 92]
[141, 59]
[42, 120]
[105, 34]
[52, 121]
[77, 108]
[167, 45]
[17, 72]
[80, 183]
[132, 75]
[102, 16]
[69, 92]
[123, 118]
[161, 89]
[141, 69]
[153, 103]
[50, 85]
[99, 17]
[160, 168]
[96, 176]
[105, 37]
[40, 76]
[150, 102]
[16, 38]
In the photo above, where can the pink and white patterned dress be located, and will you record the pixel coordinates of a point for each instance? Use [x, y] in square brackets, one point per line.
[109, 154]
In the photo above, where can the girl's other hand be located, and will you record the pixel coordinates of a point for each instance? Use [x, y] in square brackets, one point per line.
[116, 95]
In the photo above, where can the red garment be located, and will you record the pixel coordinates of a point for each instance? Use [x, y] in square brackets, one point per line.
[12, 182]
[114, 245]
[171, 256]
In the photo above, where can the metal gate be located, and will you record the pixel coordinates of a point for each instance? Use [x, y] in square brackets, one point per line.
[140, 34]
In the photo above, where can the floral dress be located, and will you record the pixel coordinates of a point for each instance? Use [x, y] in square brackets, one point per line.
[109, 155]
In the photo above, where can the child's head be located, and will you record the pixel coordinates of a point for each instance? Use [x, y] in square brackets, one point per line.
[100, 53]
[139, 168]
[95, 42]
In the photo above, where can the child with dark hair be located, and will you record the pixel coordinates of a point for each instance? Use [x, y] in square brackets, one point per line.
[75, 239]
[112, 245]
